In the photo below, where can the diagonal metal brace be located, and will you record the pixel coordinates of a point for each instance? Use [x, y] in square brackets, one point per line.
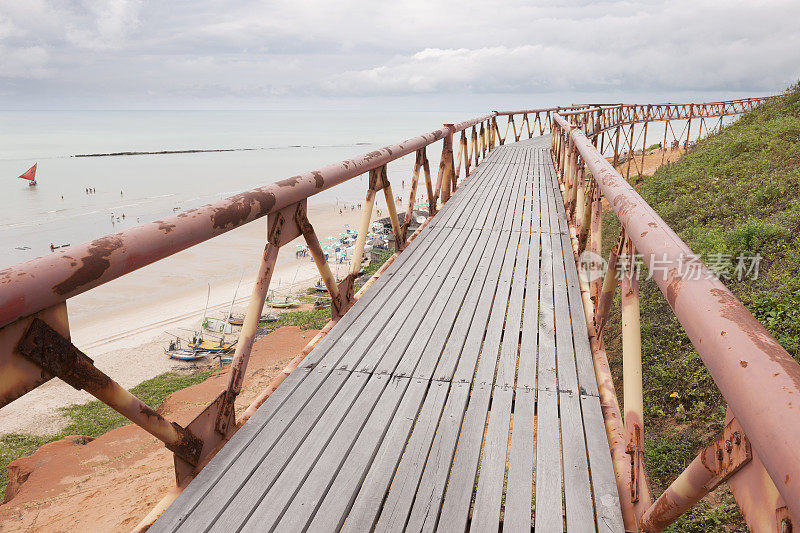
[56, 355]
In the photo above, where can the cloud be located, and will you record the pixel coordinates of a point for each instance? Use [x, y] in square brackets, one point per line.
[131, 52]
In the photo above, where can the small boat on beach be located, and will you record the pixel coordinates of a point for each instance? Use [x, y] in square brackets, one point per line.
[217, 325]
[322, 303]
[30, 175]
[236, 320]
[280, 302]
[175, 351]
[213, 346]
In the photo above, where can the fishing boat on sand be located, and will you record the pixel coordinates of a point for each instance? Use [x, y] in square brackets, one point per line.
[175, 351]
[30, 175]
[213, 346]
[238, 320]
[280, 302]
[322, 303]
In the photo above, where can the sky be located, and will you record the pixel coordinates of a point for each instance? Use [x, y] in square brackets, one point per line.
[410, 54]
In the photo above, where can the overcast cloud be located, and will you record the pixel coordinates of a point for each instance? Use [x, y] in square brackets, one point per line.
[200, 53]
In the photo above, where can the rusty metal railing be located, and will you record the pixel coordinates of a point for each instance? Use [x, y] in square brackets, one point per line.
[758, 451]
[34, 327]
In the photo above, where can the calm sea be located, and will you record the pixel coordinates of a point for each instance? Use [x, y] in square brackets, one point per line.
[147, 187]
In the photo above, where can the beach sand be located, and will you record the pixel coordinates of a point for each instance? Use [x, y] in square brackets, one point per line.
[125, 325]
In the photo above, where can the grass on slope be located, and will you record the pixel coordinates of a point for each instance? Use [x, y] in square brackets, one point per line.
[737, 192]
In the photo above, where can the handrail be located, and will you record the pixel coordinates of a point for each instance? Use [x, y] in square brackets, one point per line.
[40, 283]
[757, 377]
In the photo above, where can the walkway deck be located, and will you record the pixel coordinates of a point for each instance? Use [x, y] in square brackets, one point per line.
[457, 393]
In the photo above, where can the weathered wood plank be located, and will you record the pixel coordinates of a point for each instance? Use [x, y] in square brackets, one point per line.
[519, 493]
[489, 493]
[604, 484]
[548, 507]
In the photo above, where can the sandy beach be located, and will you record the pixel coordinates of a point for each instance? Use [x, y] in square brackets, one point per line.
[125, 325]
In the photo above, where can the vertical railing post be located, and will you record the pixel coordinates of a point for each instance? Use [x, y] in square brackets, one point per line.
[412, 193]
[475, 146]
[689, 127]
[596, 237]
[446, 166]
[363, 228]
[632, 383]
[644, 140]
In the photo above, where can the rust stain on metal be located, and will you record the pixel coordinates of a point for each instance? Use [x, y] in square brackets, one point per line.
[241, 207]
[623, 205]
[743, 364]
[734, 311]
[93, 265]
[372, 155]
[57, 356]
[163, 226]
[673, 288]
[148, 411]
[289, 182]
[319, 181]
[189, 447]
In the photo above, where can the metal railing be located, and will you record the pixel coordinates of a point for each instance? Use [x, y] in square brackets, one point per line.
[34, 327]
[758, 451]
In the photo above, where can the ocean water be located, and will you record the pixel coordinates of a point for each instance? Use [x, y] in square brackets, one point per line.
[148, 187]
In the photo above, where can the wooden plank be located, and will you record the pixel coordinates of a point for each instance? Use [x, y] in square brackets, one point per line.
[455, 507]
[425, 511]
[519, 491]
[565, 354]
[328, 443]
[548, 504]
[528, 350]
[224, 493]
[328, 509]
[604, 485]
[547, 340]
[488, 496]
[393, 337]
[420, 307]
[507, 367]
[367, 503]
[587, 382]
[577, 491]
[457, 498]
[405, 481]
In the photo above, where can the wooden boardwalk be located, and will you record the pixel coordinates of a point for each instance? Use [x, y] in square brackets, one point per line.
[458, 393]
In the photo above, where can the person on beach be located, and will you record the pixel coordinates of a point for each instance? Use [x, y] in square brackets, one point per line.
[52, 248]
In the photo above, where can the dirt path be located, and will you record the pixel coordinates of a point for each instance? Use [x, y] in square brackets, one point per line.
[111, 483]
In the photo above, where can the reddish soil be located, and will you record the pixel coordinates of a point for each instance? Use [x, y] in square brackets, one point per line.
[652, 160]
[110, 483]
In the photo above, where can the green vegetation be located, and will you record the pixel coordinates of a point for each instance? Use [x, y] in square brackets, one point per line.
[317, 318]
[734, 194]
[311, 319]
[93, 418]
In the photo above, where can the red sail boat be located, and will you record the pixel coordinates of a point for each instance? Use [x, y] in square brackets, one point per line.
[30, 175]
